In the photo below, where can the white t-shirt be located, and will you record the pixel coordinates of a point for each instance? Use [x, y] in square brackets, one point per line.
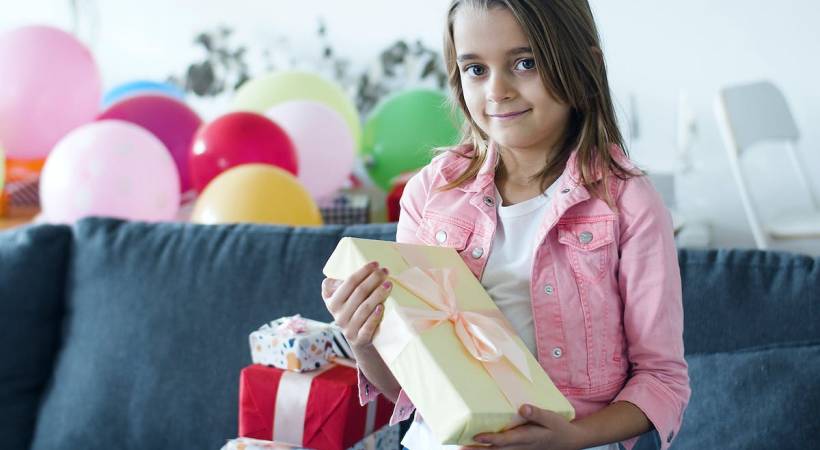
[507, 279]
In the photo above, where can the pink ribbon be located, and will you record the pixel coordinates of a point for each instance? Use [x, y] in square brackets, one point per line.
[291, 326]
[486, 335]
[291, 405]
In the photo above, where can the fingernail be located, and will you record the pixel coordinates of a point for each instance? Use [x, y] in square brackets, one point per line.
[526, 410]
[372, 265]
[482, 440]
[379, 308]
[387, 284]
[385, 271]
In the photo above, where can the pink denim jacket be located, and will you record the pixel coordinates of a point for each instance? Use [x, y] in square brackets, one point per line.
[605, 286]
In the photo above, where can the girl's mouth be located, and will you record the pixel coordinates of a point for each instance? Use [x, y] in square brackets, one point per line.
[510, 116]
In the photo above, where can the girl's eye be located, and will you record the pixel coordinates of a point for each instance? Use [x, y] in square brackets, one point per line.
[474, 70]
[525, 64]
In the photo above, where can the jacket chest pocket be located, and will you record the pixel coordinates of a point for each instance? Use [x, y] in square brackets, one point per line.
[444, 233]
[589, 246]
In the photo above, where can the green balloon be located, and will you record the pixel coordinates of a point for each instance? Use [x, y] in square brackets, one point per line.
[260, 94]
[401, 133]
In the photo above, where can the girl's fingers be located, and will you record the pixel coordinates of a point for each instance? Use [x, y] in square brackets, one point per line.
[329, 286]
[366, 308]
[370, 326]
[344, 291]
[359, 295]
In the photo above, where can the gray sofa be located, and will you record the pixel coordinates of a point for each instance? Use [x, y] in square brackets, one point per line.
[131, 335]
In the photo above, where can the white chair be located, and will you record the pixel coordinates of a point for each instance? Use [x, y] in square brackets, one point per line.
[755, 113]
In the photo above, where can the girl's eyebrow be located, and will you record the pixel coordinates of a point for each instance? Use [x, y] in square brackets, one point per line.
[515, 51]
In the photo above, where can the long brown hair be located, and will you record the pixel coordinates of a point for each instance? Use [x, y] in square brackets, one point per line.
[566, 48]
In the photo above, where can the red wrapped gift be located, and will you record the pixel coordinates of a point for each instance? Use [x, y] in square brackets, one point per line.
[318, 410]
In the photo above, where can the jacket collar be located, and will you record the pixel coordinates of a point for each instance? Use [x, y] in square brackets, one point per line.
[486, 174]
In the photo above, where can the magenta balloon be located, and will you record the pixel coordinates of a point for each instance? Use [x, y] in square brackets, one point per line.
[49, 85]
[109, 168]
[172, 121]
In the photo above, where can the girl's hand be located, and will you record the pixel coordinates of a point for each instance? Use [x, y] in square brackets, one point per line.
[545, 430]
[356, 303]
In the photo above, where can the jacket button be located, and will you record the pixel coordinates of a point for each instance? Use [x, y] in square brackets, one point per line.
[477, 252]
[557, 352]
[565, 190]
[489, 201]
[548, 289]
[585, 237]
[441, 236]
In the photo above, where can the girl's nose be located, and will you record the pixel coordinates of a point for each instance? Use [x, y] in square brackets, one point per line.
[498, 89]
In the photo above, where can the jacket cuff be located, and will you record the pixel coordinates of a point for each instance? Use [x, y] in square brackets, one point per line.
[367, 393]
[403, 409]
[654, 399]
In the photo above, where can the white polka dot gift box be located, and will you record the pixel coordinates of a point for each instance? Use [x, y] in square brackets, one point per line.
[297, 344]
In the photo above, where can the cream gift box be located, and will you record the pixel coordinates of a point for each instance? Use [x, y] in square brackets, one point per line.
[447, 344]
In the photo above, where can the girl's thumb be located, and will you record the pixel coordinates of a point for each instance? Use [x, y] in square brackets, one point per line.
[539, 416]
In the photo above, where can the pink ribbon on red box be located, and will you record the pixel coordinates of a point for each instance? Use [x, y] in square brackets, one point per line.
[292, 401]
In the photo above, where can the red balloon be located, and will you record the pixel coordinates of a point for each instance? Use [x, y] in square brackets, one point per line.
[170, 120]
[239, 138]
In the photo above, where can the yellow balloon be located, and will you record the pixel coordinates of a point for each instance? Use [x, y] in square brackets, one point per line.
[260, 94]
[256, 193]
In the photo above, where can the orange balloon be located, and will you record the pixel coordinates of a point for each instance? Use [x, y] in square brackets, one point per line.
[256, 193]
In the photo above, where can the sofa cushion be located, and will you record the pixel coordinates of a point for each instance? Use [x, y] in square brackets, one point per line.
[753, 399]
[736, 299]
[32, 268]
[159, 317]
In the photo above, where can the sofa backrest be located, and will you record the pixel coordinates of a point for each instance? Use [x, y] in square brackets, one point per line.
[158, 322]
[157, 318]
[32, 271]
[752, 337]
[741, 299]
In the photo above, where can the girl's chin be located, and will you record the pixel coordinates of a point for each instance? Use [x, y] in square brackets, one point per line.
[511, 140]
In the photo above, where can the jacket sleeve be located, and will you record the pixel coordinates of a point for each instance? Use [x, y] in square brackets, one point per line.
[650, 287]
[412, 205]
[412, 208]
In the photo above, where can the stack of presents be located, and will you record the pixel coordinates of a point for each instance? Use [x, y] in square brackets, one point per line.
[452, 351]
[301, 392]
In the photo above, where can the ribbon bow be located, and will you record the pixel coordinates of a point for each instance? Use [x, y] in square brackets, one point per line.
[483, 335]
[291, 326]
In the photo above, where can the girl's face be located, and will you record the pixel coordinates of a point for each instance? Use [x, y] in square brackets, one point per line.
[502, 88]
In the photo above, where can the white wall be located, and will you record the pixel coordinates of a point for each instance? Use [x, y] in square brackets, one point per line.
[654, 49]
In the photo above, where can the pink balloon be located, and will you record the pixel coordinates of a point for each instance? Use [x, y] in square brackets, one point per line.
[50, 85]
[323, 142]
[172, 121]
[109, 168]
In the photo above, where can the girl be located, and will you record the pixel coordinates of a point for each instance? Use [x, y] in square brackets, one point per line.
[570, 240]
